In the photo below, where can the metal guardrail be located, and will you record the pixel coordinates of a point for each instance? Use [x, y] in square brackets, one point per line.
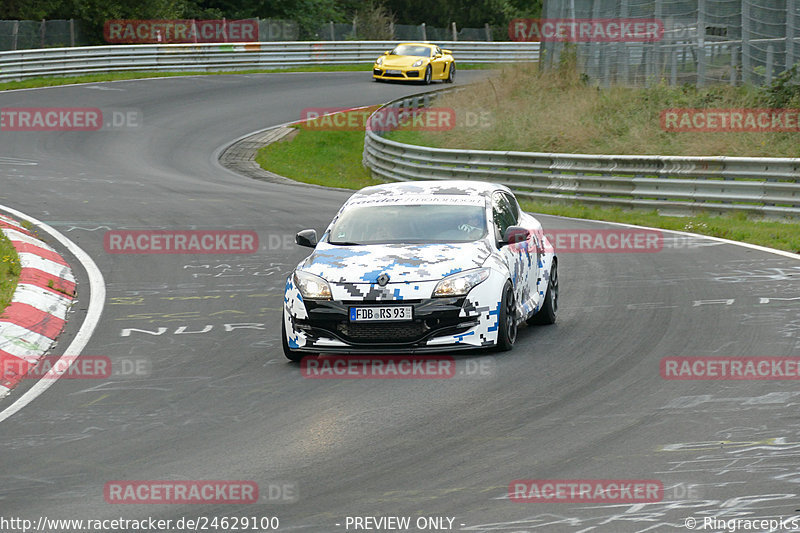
[21, 64]
[673, 185]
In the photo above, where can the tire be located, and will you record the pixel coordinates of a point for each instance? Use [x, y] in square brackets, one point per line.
[428, 76]
[547, 314]
[451, 73]
[506, 321]
[290, 354]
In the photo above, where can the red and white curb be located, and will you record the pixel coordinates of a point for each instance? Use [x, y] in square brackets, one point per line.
[32, 322]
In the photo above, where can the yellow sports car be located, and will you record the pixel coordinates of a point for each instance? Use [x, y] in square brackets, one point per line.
[416, 62]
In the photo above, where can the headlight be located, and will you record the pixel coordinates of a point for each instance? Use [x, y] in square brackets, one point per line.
[312, 287]
[379, 61]
[460, 284]
[418, 63]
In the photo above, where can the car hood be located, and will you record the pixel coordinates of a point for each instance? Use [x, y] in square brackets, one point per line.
[403, 263]
[400, 61]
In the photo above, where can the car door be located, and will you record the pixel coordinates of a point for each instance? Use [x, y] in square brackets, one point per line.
[521, 258]
[438, 64]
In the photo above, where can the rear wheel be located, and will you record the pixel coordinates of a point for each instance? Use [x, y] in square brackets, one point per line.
[547, 314]
[451, 74]
[506, 322]
[290, 354]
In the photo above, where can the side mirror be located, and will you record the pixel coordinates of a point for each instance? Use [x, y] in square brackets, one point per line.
[447, 52]
[307, 238]
[387, 52]
[437, 56]
[514, 235]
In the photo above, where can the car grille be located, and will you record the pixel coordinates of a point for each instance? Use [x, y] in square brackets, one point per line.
[412, 74]
[382, 332]
[393, 75]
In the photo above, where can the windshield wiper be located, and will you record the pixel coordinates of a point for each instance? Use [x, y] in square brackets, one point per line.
[344, 243]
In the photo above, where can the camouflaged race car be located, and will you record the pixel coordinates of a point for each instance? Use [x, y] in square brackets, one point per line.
[419, 267]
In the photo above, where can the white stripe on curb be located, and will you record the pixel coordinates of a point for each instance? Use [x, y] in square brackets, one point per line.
[23, 343]
[31, 260]
[42, 299]
[14, 235]
[97, 298]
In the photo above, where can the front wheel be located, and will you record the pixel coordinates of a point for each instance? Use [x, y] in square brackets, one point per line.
[288, 352]
[547, 314]
[428, 76]
[451, 74]
[506, 321]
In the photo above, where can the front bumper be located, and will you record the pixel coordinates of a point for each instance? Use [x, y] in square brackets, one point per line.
[387, 73]
[327, 326]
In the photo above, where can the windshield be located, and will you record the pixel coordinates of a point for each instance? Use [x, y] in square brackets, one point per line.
[411, 50]
[409, 224]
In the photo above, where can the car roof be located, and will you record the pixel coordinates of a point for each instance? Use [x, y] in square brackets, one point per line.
[429, 45]
[432, 187]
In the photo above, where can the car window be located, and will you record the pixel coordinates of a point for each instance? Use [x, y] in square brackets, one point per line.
[514, 206]
[502, 213]
[438, 50]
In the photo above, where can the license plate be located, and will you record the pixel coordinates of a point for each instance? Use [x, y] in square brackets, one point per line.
[389, 312]
[393, 72]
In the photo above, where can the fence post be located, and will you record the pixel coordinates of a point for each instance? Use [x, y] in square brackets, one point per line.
[673, 59]
[42, 32]
[701, 43]
[734, 52]
[391, 29]
[770, 63]
[746, 72]
[488, 32]
[14, 35]
[455, 33]
[72, 32]
[355, 28]
[424, 33]
[790, 21]
[333, 32]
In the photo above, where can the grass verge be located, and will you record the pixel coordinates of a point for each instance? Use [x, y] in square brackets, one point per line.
[117, 76]
[321, 157]
[9, 271]
[333, 159]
